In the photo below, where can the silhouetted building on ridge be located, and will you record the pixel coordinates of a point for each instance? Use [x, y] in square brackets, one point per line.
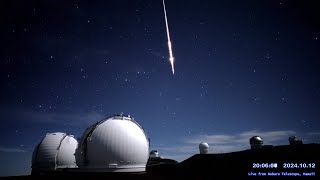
[256, 142]
[293, 140]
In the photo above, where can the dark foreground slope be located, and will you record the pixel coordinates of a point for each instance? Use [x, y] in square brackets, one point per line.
[291, 160]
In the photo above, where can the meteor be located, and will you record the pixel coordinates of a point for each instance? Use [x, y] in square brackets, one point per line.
[168, 36]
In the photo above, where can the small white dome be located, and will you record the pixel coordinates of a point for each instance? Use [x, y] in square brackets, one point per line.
[154, 154]
[115, 144]
[256, 142]
[204, 148]
[56, 150]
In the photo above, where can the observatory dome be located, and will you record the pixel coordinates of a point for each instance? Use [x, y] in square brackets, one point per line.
[56, 150]
[256, 142]
[204, 148]
[154, 154]
[115, 144]
[293, 140]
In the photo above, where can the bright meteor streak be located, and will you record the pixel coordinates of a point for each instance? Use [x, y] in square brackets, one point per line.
[168, 36]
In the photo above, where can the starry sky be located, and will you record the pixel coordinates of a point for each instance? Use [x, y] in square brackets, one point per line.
[242, 68]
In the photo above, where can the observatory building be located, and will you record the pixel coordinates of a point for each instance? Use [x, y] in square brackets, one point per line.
[115, 144]
[293, 140]
[204, 148]
[55, 151]
[256, 142]
[154, 154]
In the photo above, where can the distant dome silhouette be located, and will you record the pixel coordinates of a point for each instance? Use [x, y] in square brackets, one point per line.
[256, 142]
[204, 148]
[293, 140]
[154, 154]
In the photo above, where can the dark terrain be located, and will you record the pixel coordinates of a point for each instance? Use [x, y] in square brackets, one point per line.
[209, 166]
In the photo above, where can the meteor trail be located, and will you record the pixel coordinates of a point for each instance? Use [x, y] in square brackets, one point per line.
[168, 36]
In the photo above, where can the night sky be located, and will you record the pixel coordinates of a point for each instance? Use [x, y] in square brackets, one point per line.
[242, 68]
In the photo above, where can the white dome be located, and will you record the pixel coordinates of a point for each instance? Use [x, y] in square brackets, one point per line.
[204, 148]
[56, 150]
[154, 154]
[256, 142]
[116, 144]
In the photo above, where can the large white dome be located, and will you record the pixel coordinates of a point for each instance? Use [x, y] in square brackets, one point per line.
[56, 150]
[115, 144]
